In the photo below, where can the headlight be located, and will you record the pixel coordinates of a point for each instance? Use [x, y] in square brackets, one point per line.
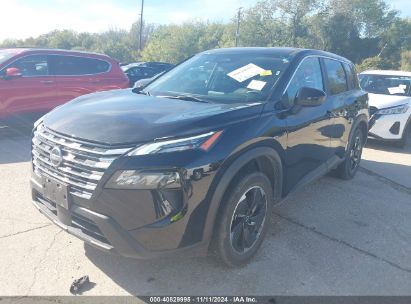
[144, 180]
[203, 142]
[394, 110]
[38, 122]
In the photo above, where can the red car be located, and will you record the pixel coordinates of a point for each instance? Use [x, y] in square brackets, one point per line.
[38, 80]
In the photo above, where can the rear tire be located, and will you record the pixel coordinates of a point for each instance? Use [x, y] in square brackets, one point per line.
[349, 167]
[244, 219]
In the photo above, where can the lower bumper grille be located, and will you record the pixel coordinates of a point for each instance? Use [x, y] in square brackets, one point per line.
[87, 226]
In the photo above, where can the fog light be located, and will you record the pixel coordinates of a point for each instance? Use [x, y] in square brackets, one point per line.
[133, 179]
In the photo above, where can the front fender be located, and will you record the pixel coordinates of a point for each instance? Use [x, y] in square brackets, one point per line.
[229, 170]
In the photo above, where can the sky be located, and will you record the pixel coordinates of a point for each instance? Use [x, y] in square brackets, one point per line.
[30, 18]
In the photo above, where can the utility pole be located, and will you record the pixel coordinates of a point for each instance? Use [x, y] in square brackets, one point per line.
[141, 25]
[237, 32]
[385, 45]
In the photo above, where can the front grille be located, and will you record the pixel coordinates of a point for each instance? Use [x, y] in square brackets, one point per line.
[83, 163]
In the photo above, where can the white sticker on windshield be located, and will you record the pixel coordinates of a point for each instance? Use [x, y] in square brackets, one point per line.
[403, 86]
[246, 72]
[396, 90]
[256, 85]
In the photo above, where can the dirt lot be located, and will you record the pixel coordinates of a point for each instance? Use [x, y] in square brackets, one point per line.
[332, 238]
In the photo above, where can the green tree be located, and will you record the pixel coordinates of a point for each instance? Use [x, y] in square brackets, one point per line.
[395, 40]
[174, 43]
[294, 16]
[373, 63]
[367, 32]
[406, 61]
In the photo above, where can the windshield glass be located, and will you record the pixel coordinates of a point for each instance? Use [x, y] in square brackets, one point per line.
[222, 78]
[5, 55]
[386, 84]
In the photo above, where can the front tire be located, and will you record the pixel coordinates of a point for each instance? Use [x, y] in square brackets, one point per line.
[349, 167]
[244, 219]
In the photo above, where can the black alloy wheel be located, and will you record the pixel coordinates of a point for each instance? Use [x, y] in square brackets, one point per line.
[248, 219]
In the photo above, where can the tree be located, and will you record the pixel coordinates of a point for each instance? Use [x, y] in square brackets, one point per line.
[406, 61]
[370, 17]
[293, 14]
[367, 32]
[174, 43]
[396, 39]
[372, 63]
[259, 26]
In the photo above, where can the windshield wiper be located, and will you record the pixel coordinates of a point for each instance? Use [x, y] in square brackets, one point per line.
[186, 97]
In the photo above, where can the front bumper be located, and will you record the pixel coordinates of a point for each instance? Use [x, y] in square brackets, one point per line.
[112, 230]
[388, 127]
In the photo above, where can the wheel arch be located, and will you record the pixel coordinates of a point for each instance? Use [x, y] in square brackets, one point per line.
[361, 122]
[267, 158]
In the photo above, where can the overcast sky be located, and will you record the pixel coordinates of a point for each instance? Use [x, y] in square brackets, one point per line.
[25, 18]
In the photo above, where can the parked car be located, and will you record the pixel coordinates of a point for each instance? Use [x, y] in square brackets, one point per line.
[197, 159]
[37, 80]
[390, 104]
[144, 70]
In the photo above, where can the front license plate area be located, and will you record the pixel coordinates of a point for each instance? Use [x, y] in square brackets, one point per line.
[55, 191]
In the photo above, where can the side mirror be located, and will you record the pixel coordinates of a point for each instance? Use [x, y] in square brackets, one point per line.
[140, 84]
[13, 73]
[310, 97]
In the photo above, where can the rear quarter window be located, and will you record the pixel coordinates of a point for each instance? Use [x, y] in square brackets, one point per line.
[352, 80]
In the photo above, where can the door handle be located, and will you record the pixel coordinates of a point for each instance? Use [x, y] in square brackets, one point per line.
[47, 81]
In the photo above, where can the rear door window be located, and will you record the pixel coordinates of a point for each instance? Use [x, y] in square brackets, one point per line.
[75, 66]
[336, 78]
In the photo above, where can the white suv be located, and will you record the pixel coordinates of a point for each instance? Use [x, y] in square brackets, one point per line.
[390, 104]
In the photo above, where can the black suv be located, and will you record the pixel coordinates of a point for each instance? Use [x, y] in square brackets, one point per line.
[197, 159]
[144, 70]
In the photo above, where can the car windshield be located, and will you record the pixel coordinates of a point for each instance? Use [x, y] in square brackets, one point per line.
[5, 55]
[386, 84]
[222, 78]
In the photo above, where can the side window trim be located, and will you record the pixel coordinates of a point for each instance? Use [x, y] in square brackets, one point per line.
[324, 75]
[355, 74]
[349, 76]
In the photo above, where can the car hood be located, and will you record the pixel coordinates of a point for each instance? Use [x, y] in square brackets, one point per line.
[122, 117]
[381, 101]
